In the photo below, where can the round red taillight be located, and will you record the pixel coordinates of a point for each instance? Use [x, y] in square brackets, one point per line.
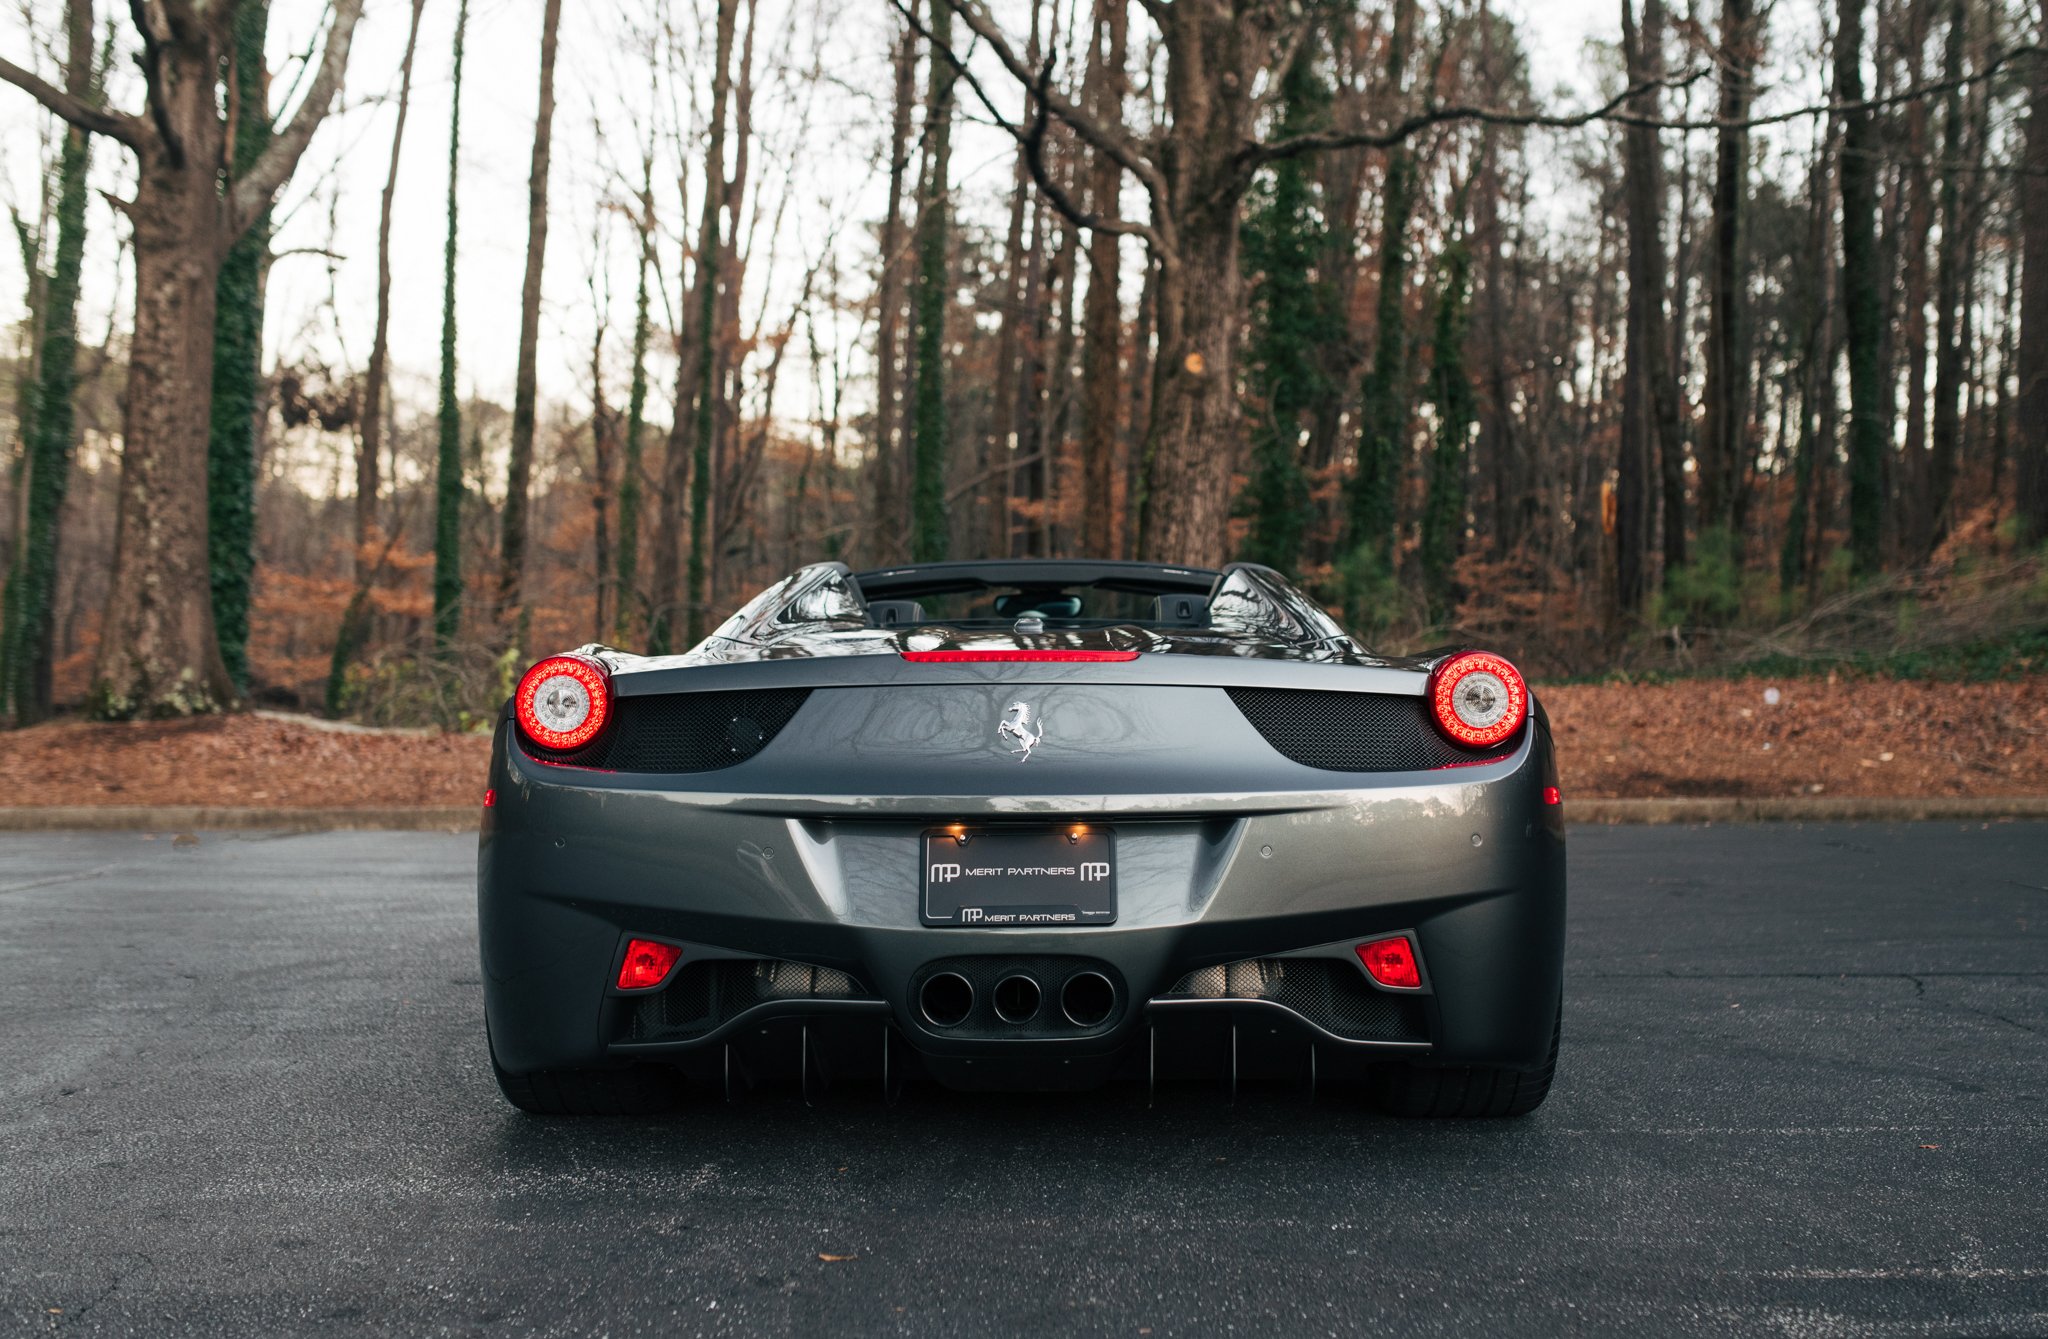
[1478, 699]
[563, 702]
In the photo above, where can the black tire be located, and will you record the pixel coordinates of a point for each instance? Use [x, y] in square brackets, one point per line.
[1465, 1090]
[640, 1091]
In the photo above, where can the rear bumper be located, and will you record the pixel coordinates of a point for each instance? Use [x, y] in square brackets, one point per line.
[1469, 862]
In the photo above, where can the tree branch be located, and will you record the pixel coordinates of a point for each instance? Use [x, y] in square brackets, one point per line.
[94, 120]
[253, 189]
[1031, 140]
[155, 27]
[1255, 155]
[1611, 112]
[1093, 133]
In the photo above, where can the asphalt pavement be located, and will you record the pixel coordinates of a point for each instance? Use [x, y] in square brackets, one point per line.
[1803, 1091]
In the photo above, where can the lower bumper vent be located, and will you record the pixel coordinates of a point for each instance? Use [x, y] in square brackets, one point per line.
[707, 995]
[1329, 993]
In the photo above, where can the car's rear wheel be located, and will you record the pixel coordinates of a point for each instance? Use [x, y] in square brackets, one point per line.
[1465, 1090]
[643, 1090]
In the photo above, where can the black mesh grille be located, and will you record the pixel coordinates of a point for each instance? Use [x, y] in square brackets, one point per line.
[692, 732]
[1328, 993]
[706, 995]
[1353, 732]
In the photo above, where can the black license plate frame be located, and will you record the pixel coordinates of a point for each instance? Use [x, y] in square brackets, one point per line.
[998, 877]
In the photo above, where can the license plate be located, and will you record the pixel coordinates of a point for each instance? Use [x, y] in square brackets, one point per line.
[1019, 877]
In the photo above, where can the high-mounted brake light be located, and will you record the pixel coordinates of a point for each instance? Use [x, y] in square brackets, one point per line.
[647, 964]
[1478, 699]
[1391, 962]
[1053, 653]
[563, 702]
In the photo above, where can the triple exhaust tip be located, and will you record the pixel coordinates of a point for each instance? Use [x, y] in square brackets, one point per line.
[1086, 998]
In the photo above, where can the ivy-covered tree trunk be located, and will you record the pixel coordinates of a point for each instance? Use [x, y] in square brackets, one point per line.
[1450, 390]
[1383, 403]
[1862, 296]
[238, 362]
[48, 436]
[928, 528]
[1295, 320]
[448, 456]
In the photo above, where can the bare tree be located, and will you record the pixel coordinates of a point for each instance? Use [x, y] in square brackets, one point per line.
[519, 467]
[367, 463]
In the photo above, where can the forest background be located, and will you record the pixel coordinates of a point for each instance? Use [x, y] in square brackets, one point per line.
[1618, 337]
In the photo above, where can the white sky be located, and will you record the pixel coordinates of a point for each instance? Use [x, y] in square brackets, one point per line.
[602, 96]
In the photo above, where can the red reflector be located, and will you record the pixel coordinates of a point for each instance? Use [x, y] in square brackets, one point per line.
[1391, 962]
[647, 963]
[968, 657]
[491, 798]
[1552, 795]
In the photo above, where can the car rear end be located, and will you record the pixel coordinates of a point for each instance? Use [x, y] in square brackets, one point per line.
[1029, 862]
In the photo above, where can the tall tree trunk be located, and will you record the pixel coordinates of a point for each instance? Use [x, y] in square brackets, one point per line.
[355, 616]
[628, 618]
[27, 656]
[2032, 404]
[1649, 400]
[1949, 309]
[1194, 422]
[1862, 297]
[686, 474]
[1912, 523]
[1817, 380]
[711, 247]
[519, 466]
[603, 447]
[999, 441]
[368, 453]
[889, 519]
[1101, 356]
[1141, 404]
[448, 456]
[928, 525]
[238, 359]
[1725, 443]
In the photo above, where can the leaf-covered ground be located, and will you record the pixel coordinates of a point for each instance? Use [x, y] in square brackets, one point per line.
[1693, 738]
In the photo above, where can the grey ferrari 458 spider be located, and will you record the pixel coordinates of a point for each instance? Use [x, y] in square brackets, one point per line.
[1023, 825]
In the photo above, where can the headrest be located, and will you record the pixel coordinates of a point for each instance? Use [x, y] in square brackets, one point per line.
[895, 613]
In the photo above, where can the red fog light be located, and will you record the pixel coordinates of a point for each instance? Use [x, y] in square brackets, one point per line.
[1391, 962]
[1552, 795]
[647, 964]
